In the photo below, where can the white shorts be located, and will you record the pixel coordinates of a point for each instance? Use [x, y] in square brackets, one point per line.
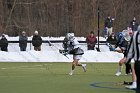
[77, 57]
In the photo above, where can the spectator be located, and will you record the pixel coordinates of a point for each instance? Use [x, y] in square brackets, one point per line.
[111, 41]
[4, 43]
[23, 41]
[91, 41]
[109, 25]
[105, 32]
[37, 41]
[65, 43]
[134, 24]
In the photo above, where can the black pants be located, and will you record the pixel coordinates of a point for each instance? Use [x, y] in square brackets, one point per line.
[4, 49]
[128, 68]
[137, 71]
[22, 48]
[89, 47]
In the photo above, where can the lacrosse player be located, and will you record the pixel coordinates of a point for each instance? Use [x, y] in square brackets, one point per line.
[74, 49]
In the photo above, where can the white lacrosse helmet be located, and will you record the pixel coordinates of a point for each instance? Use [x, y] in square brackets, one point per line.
[126, 35]
[69, 35]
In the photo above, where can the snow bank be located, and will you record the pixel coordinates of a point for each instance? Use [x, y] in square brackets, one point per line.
[51, 53]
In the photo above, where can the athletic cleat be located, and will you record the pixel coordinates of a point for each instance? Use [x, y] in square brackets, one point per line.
[118, 74]
[84, 67]
[133, 86]
[128, 73]
[70, 73]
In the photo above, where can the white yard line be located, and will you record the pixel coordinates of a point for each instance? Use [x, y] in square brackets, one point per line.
[27, 67]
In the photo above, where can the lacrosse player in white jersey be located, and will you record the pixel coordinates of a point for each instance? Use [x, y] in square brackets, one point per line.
[76, 51]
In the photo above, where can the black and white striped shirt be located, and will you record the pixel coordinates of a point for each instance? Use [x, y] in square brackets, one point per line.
[134, 47]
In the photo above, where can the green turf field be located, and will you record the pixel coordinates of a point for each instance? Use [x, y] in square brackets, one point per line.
[54, 78]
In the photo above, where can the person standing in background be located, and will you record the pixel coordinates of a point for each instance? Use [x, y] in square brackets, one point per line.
[4, 43]
[23, 41]
[109, 25]
[134, 24]
[37, 41]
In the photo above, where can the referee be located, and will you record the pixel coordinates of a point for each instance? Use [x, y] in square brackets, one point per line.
[134, 52]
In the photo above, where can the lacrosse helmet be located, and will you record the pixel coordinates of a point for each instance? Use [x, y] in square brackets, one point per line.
[70, 36]
[126, 35]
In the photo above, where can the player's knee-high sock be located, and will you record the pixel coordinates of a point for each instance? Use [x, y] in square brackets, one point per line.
[73, 66]
[72, 70]
[119, 68]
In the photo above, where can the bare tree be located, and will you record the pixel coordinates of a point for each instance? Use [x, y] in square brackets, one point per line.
[57, 17]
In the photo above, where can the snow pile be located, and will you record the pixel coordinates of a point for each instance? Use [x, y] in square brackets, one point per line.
[51, 53]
